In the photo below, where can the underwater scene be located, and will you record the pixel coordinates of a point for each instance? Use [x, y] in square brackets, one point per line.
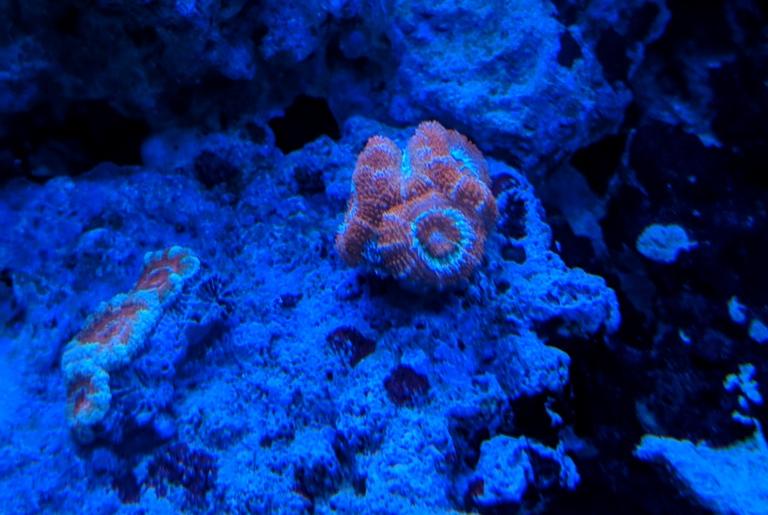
[383, 257]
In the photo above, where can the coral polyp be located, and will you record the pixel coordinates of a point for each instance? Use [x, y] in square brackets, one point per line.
[165, 271]
[428, 241]
[88, 397]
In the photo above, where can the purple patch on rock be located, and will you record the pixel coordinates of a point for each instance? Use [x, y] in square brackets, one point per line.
[405, 386]
[350, 343]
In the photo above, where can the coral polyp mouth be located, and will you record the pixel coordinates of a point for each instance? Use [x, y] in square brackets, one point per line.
[442, 236]
[438, 243]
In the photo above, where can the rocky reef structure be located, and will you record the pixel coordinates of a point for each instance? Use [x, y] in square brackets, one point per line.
[282, 379]
[308, 363]
[700, 469]
[533, 94]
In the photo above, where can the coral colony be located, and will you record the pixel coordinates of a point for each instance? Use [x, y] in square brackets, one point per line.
[383, 257]
[422, 214]
[116, 332]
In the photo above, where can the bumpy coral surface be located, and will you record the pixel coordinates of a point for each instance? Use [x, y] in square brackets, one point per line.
[421, 215]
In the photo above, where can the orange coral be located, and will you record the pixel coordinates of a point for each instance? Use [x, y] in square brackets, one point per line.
[115, 325]
[165, 271]
[116, 332]
[422, 215]
[88, 397]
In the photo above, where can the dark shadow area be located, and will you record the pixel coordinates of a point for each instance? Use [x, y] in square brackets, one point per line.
[48, 140]
[305, 120]
[599, 161]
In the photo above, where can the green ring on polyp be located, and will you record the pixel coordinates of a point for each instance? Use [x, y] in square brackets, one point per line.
[450, 262]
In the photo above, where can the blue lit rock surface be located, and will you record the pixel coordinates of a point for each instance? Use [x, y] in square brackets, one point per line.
[282, 380]
[725, 480]
[508, 467]
[240, 367]
[664, 243]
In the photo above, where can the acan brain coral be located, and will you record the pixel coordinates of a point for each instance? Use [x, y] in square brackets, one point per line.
[116, 332]
[420, 215]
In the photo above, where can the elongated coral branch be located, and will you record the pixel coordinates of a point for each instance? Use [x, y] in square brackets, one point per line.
[113, 335]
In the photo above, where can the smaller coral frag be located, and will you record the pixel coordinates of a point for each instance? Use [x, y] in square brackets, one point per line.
[113, 335]
[421, 215]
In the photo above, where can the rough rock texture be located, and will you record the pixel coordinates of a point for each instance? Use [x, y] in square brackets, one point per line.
[233, 366]
[231, 127]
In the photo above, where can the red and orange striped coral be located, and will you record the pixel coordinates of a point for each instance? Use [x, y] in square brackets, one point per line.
[116, 332]
[166, 270]
[421, 215]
